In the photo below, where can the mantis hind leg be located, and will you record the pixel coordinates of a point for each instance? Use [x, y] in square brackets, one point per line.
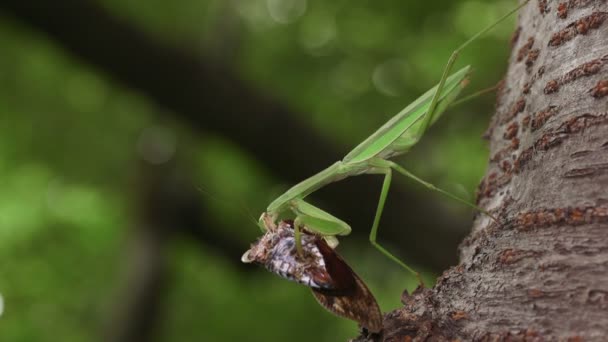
[374, 232]
[428, 118]
[430, 186]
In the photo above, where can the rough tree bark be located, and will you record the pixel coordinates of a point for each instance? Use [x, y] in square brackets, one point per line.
[541, 274]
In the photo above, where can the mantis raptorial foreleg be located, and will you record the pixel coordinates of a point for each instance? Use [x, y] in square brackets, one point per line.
[316, 221]
[297, 235]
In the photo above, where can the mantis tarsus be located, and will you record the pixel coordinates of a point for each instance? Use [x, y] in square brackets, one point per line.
[371, 156]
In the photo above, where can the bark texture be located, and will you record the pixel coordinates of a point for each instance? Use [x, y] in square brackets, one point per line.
[541, 273]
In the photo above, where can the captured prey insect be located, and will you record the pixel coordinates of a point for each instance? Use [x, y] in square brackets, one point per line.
[372, 156]
[333, 283]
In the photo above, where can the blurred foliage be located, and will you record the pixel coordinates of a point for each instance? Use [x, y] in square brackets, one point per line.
[70, 140]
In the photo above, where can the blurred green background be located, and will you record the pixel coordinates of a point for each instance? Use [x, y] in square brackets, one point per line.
[123, 219]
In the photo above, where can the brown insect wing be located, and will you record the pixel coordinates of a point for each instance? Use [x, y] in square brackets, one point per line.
[349, 298]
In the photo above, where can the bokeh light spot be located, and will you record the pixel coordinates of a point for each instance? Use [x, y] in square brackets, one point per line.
[254, 13]
[85, 92]
[157, 144]
[350, 78]
[487, 13]
[317, 33]
[286, 11]
[390, 77]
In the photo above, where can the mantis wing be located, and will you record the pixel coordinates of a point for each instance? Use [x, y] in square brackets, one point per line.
[403, 130]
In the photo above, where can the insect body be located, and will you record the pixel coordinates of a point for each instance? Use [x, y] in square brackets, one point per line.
[277, 252]
[333, 283]
[371, 156]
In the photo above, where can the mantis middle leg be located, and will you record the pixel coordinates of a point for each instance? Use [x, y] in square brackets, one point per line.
[388, 175]
[385, 167]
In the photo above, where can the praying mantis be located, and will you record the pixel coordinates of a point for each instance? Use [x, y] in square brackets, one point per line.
[371, 156]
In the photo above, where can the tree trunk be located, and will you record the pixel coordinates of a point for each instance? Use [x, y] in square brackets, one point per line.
[541, 274]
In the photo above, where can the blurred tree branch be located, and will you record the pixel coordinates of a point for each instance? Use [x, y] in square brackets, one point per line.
[166, 205]
[210, 97]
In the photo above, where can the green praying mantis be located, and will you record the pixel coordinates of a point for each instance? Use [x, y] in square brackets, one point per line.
[372, 156]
